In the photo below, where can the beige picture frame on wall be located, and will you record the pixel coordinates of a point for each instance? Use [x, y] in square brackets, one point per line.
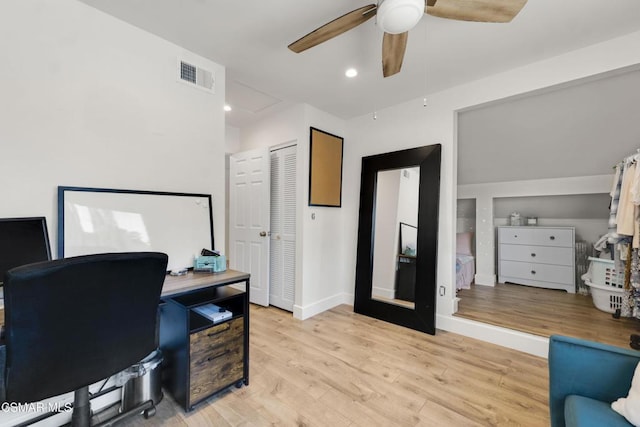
[325, 169]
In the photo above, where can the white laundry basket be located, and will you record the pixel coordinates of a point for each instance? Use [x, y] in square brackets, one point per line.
[606, 285]
[606, 298]
[603, 272]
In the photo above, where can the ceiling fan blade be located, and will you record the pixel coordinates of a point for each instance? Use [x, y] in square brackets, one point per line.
[476, 10]
[334, 28]
[393, 47]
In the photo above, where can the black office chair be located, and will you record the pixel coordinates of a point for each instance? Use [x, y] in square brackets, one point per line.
[72, 322]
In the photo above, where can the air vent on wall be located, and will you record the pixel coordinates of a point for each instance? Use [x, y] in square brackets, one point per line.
[195, 76]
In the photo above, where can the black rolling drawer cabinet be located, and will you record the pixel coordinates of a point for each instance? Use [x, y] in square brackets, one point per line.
[201, 357]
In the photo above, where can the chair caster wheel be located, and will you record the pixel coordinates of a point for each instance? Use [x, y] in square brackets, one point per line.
[148, 413]
[239, 384]
[635, 341]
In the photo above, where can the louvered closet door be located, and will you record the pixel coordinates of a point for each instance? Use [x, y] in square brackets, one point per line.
[283, 228]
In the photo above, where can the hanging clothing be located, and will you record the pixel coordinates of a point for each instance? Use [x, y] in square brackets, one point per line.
[636, 225]
[624, 231]
[635, 282]
[625, 217]
[616, 179]
[635, 186]
[615, 198]
[635, 198]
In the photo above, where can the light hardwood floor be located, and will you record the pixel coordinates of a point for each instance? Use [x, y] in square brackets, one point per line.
[343, 369]
[544, 312]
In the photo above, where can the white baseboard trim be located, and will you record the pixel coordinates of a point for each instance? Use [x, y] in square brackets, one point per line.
[521, 341]
[485, 279]
[310, 310]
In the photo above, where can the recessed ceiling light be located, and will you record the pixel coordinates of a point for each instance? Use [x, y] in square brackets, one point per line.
[351, 72]
[227, 107]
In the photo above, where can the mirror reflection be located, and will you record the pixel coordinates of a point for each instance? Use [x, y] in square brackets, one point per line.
[395, 236]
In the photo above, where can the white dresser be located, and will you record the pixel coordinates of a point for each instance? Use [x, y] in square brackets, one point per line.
[537, 256]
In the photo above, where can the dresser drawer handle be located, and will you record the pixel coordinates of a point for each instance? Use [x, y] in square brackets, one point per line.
[224, 353]
[533, 255]
[552, 237]
[533, 272]
[213, 334]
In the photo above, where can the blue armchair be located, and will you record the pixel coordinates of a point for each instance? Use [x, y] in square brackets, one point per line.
[584, 378]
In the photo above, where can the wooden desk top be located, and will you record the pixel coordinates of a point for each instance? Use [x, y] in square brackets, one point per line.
[191, 281]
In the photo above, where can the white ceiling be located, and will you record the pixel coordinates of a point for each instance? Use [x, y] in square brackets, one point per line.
[250, 38]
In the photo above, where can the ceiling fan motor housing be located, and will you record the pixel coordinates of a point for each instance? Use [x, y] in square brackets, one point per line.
[398, 16]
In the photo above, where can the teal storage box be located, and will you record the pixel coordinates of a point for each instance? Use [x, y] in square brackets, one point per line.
[214, 264]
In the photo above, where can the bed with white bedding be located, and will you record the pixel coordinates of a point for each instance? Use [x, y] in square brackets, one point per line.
[465, 271]
[465, 262]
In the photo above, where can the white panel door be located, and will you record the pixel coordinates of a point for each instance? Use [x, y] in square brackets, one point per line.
[249, 194]
[283, 228]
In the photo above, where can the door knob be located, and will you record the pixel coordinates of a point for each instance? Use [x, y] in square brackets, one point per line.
[263, 234]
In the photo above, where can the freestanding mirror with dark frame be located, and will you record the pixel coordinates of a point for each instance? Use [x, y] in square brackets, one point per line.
[398, 237]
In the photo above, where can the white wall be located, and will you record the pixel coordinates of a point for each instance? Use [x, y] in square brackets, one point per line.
[404, 126]
[591, 119]
[385, 245]
[466, 216]
[324, 275]
[588, 213]
[408, 197]
[320, 274]
[88, 100]
[410, 125]
[329, 243]
[231, 139]
[485, 218]
[231, 145]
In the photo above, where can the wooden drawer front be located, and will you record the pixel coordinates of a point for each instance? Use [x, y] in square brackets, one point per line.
[216, 335]
[537, 272]
[216, 355]
[215, 368]
[537, 254]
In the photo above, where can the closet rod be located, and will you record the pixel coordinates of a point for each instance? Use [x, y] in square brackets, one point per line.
[633, 157]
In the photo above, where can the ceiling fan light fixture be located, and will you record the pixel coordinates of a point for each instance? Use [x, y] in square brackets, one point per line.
[398, 16]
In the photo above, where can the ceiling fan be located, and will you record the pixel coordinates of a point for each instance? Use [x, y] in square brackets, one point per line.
[397, 17]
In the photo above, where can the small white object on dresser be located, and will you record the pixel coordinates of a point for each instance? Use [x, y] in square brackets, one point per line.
[537, 256]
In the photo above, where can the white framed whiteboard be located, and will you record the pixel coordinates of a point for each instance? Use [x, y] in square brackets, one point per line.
[100, 220]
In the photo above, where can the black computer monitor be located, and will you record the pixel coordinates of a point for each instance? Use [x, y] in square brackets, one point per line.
[22, 241]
